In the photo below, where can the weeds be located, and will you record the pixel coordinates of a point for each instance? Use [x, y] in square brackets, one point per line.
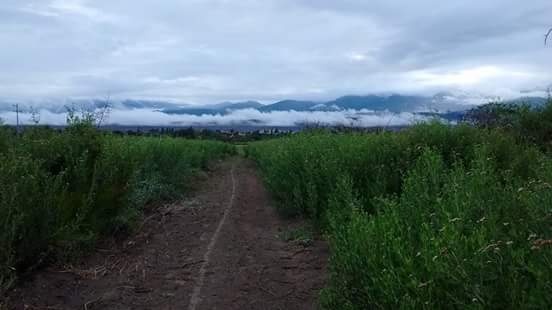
[433, 217]
[61, 191]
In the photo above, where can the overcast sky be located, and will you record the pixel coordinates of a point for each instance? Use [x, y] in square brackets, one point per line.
[215, 50]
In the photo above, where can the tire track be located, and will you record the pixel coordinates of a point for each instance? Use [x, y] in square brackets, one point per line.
[196, 295]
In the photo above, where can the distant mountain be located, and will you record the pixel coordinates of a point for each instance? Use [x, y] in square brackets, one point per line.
[289, 105]
[393, 103]
[238, 105]
[192, 111]
[220, 108]
[144, 104]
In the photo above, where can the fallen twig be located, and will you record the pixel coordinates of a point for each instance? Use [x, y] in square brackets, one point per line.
[192, 263]
[267, 291]
[142, 290]
[90, 303]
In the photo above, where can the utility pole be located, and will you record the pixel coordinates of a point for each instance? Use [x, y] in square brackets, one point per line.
[17, 117]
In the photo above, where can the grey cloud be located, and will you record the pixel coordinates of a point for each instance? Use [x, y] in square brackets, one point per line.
[212, 50]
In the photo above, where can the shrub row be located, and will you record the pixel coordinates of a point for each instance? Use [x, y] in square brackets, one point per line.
[59, 192]
[431, 217]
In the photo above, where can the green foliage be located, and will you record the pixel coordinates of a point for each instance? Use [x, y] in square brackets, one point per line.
[61, 191]
[496, 114]
[532, 124]
[430, 217]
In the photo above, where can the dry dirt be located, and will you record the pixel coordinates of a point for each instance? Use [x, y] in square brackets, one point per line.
[218, 249]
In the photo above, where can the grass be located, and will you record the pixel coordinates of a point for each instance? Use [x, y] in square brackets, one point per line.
[61, 191]
[433, 217]
[240, 149]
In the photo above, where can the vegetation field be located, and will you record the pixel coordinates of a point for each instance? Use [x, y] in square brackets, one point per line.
[61, 191]
[433, 217]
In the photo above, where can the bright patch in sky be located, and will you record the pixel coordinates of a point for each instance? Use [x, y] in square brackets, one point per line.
[468, 77]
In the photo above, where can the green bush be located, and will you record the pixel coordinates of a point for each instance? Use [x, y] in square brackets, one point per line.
[526, 122]
[27, 212]
[430, 217]
[61, 191]
[455, 238]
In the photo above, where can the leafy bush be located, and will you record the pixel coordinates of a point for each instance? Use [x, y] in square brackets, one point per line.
[61, 191]
[528, 123]
[27, 209]
[430, 217]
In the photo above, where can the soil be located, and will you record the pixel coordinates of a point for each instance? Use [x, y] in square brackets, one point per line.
[221, 248]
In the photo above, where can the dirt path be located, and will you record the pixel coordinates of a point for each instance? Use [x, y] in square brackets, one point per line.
[219, 249]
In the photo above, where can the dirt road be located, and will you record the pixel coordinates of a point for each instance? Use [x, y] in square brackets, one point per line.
[219, 249]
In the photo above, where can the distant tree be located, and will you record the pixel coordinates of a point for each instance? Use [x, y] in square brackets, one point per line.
[89, 115]
[102, 114]
[495, 114]
[79, 115]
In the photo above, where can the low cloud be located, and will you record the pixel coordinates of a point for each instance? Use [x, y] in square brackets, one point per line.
[146, 117]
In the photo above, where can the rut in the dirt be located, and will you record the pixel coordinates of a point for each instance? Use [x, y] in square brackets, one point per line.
[218, 249]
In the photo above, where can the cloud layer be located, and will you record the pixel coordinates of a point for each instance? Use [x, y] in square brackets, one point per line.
[214, 50]
[147, 117]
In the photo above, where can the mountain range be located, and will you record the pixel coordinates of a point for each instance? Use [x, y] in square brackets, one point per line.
[393, 103]
[442, 103]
